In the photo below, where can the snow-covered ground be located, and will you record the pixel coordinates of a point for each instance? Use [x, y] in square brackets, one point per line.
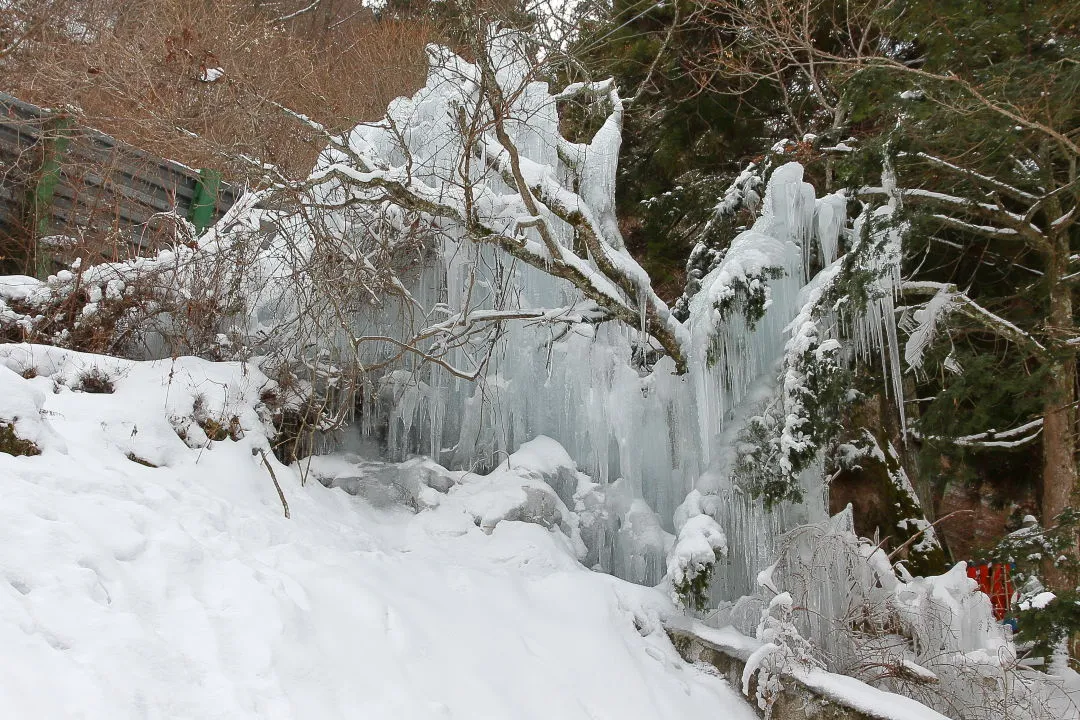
[182, 591]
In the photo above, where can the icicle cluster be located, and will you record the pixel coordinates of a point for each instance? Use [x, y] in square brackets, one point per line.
[430, 186]
[645, 429]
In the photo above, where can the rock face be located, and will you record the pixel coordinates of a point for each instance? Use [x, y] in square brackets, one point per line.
[983, 509]
[872, 480]
[990, 514]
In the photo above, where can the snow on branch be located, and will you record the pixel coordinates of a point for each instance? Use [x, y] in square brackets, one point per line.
[947, 298]
[313, 5]
[985, 180]
[1002, 439]
[478, 155]
[923, 326]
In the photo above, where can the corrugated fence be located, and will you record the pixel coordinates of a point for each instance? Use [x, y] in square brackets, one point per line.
[60, 179]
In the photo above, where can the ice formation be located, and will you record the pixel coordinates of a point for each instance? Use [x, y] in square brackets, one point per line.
[835, 601]
[647, 435]
[643, 432]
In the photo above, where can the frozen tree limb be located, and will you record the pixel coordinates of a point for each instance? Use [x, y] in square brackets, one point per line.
[960, 302]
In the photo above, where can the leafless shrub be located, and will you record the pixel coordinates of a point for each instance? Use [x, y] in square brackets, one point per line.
[94, 380]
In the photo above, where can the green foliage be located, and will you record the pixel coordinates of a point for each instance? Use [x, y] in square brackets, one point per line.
[663, 228]
[1030, 551]
[995, 390]
[958, 62]
[685, 136]
[693, 589]
[812, 407]
[749, 296]
[757, 465]
[766, 464]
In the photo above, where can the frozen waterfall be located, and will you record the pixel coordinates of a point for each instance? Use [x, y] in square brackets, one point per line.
[649, 436]
[660, 434]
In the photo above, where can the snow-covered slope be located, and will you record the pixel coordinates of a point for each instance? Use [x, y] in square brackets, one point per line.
[182, 591]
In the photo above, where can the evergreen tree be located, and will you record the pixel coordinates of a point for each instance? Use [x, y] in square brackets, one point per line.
[688, 132]
[985, 146]
[971, 108]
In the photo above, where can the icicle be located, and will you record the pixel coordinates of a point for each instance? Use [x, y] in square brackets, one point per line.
[829, 222]
[648, 438]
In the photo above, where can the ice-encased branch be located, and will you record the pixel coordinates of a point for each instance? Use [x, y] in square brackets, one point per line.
[957, 301]
[459, 153]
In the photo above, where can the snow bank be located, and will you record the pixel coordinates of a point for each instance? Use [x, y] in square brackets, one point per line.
[182, 591]
[21, 410]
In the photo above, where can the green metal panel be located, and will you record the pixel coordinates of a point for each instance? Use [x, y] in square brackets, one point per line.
[55, 141]
[201, 214]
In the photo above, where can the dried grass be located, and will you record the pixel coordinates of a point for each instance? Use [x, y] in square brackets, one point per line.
[133, 69]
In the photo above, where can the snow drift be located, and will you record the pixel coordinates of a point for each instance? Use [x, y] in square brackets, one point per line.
[133, 591]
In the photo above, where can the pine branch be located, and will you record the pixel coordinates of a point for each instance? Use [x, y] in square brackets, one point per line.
[960, 302]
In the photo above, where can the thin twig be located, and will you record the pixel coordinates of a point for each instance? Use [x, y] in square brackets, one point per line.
[274, 478]
[914, 537]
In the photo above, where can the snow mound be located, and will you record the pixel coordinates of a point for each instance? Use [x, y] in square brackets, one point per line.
[21, 409]
[182, 591]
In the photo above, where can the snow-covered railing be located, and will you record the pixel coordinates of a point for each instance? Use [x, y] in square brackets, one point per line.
[815, 693]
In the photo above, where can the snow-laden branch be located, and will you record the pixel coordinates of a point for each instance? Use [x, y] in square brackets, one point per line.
[1016, 227]
[477, 153]
[923, 326]
[1001, 439]
[573, 90]
[313, 5]
[437, 342]
[978, 177]
[572, 315]
[947, 298]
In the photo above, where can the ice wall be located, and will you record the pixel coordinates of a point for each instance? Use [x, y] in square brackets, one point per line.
[662, 434]
[634, 424]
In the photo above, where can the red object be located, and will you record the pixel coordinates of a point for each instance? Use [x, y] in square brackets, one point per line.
[993, 579]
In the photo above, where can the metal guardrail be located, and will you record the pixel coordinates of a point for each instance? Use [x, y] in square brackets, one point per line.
[60, 178]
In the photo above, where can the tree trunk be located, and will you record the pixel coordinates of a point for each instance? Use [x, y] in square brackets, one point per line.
[1059, 422]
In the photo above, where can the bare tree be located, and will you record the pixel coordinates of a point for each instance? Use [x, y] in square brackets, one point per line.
[329, 278]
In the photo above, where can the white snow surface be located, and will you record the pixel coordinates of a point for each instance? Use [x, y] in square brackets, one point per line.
[211, 74]
[182, 591]
[870, 700]
[1038, 602]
